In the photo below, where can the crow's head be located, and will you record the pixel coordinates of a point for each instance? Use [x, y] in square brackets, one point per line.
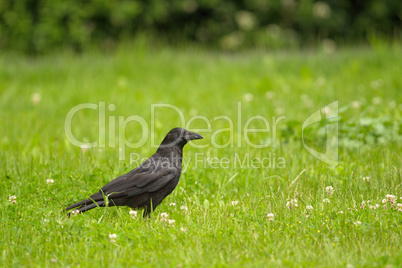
[179, 136]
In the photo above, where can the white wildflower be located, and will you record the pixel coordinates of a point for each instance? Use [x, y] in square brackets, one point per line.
[330, 190]
[357, 223]
[366, 179]
[391, 198]
[12, 199]
[36, 97]
[75, 212]
[292, 203]
[184, 230]
[84, 148]
[50, 181]
[340, 212]
[326, 200]
[234, 203]
[172, 204]
[248, 97]
[171, 222]
[133, 214]
[112, 237]
[185, 208]
[356, 104]
[270, 216]
[309, 207]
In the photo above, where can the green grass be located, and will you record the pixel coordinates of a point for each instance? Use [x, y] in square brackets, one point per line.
[33, 148]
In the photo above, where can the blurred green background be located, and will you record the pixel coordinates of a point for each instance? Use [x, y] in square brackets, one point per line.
[36, 26]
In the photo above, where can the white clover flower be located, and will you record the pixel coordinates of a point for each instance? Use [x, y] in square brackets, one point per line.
[292, 203]
[340, 212]
[330, 190]
[12, 199]
[164, 215]
[171, 222]
[309, 207]
[384, 201]
[326, 200]
[172, 204]
[36, 97]
[133, 214]
[84, 148]
[75, 212]
[50, 181]
[366, 179]
[112, 237]
[234, 203]
[391, 198]
[356, 104]
[373, 207]
[185, 208]
[184, 230]
[357, 223]
[377, 205]
[248, 97]
[270, 216]
[399, 205]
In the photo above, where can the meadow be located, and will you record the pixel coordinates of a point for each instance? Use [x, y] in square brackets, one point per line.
[296, 212]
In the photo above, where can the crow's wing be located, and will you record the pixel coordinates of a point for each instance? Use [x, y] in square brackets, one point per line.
[143, 179]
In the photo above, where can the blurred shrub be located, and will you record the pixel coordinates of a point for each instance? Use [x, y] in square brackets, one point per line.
[38, 25]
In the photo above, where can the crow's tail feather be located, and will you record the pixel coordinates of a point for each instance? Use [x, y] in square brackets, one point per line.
[88, 207]
[81, 203]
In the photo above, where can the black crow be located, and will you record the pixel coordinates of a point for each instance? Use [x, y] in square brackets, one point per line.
[148, 184]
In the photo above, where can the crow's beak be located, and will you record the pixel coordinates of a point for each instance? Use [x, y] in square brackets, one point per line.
[193, 136]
